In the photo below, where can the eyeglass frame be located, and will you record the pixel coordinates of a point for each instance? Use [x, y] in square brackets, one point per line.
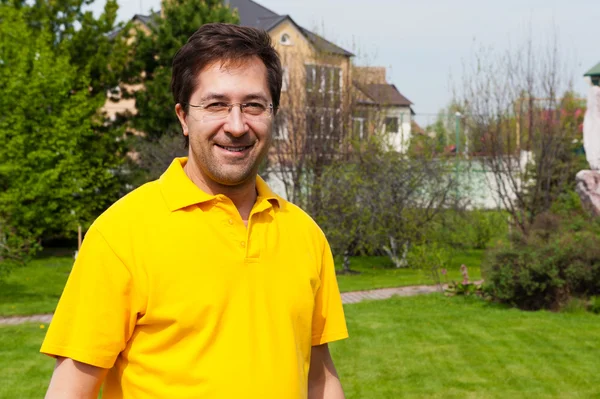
[270, 108]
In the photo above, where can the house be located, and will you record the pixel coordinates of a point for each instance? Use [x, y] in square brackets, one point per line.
[594, 74]
[313, 65]
[378, 97]
[319, 79]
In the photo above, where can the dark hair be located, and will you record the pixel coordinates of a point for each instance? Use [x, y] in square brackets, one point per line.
[228, 43]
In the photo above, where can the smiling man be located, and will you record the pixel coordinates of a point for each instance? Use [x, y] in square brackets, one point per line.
[204, 283]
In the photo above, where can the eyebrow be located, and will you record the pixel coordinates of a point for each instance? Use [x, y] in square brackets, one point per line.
[255, 96]
[213, 96]
[222, 97]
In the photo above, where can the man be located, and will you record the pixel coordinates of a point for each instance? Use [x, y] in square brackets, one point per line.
[204, 284]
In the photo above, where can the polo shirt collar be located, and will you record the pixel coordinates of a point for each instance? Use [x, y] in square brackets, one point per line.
[179, 191]
[265, 192]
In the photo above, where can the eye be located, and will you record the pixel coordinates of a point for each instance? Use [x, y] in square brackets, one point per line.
[254, 108]
[216, 106]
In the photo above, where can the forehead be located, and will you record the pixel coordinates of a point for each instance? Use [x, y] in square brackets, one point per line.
[233, 78]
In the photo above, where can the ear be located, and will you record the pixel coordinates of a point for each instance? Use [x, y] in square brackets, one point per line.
[182, 118]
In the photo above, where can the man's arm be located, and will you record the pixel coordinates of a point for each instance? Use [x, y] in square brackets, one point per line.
[75, 380]
[323, 381]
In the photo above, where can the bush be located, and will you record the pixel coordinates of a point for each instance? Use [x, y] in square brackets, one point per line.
[595, 304]
[575, 305]
[430, 258]
[472, 229]
[558, 259]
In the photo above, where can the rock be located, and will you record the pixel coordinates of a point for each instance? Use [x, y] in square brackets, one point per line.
[588, 188]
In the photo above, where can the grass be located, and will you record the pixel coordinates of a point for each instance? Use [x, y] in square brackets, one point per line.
[34, 288]
[379, 272]
[418, 347]
[436, 347]
[24, 372]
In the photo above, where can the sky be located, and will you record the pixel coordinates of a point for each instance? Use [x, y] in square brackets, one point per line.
[425, 44]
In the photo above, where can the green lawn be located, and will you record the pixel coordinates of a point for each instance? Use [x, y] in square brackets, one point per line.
[379, 272]
[419, 347]
[24, 372]
[34, 288]
[436, 347]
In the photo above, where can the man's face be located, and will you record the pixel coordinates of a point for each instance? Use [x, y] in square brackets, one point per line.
[228, 151]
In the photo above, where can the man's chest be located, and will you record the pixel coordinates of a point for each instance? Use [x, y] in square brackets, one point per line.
[211, 271]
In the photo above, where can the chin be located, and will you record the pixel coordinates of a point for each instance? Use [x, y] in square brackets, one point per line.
[235, 180]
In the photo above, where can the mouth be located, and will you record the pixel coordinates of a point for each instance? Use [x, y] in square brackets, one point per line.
[235, 149]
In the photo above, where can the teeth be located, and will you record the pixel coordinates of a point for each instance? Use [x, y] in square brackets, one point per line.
[234, 149]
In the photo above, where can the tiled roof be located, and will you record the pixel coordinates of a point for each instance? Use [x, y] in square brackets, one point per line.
[383, 94]
[257, 16]
[324, 45]
[595, 71]
[416, 128]
[268, 23]
[146, 19]
[254, 15]
[251, 13]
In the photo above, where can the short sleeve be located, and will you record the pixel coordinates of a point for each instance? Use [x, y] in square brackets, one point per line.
[328, 322]
[98, 309]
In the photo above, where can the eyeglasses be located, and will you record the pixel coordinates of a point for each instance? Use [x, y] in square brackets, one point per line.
[256, 111]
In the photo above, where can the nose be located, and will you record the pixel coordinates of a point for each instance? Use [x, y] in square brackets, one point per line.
[235, 125]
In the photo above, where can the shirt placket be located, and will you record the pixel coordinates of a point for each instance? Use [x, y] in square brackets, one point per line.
[256, 230]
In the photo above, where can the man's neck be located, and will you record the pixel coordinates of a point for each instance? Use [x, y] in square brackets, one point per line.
[243, 196]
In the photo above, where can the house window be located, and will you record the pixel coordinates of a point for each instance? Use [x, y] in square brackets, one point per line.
[358, 128]
[391, 125]
[327, 82]
[324, 124]
[280, 128]
[114, 94]
[311, 76]
[285, 39]
[285, 79]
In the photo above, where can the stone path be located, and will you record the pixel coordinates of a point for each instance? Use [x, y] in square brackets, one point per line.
[37, 318]
[384, 293]
[347, 297]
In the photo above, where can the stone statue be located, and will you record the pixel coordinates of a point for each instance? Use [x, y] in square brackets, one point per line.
[588, 181]
[591, 128]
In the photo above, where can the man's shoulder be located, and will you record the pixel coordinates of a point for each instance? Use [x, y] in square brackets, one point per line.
[299, 218]
[137, 204]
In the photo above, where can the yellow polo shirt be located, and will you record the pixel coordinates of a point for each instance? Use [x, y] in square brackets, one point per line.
[179, 299]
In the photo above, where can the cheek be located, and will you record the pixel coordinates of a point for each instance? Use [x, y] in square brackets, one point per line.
[203, 130]
[262, 130]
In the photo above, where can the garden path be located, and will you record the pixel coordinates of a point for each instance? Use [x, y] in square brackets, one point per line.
[347, 297]
[385, 293]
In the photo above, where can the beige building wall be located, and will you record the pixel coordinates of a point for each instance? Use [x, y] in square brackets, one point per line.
[400, 139]
[114, 103]
[296, 52]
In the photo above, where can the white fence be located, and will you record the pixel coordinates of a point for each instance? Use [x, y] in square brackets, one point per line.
[475, 182]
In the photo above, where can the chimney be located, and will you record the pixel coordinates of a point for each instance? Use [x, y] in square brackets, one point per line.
[370, 75]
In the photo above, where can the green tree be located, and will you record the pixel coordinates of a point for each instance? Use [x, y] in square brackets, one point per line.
[520, 111]
[58, 163]
[378, 198]
[96, 46]
[153, 56]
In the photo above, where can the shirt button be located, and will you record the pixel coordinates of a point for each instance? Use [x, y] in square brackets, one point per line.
[230, 221]
[243, 244]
